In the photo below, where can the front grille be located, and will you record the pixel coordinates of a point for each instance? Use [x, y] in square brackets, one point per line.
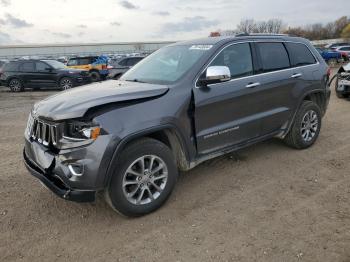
[42, 132]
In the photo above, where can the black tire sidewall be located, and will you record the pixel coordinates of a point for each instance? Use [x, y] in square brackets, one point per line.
[129, 155]
[306, 106]
[96, 74]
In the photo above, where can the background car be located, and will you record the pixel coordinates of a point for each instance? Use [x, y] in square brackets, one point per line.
[118, 68]
[342, 83]
[18, 75]
[334, 46]
[344, 51]
[95, 65]
[330, 56]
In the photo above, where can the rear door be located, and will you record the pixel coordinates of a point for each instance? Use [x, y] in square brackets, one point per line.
[278, 81]
[27, 71]
[229, 113]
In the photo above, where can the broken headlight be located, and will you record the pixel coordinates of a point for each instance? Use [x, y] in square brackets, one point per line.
[79, 133]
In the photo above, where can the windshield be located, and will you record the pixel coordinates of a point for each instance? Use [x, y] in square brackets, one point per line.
[166, 65]
[55, 64]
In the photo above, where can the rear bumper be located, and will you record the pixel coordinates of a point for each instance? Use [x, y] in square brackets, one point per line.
[56, 185]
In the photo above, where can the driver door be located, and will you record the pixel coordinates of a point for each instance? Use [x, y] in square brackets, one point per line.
[229, 113]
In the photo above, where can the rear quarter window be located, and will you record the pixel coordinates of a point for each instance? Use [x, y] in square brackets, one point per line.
[273, 56]
[300, 54]
[11, 67]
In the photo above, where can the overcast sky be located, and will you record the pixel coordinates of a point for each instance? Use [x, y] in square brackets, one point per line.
[61, 21]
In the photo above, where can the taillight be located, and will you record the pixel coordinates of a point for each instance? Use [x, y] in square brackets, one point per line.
[329, 72]
[104, 66]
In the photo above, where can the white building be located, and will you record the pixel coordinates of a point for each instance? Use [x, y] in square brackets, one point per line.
[56, 50]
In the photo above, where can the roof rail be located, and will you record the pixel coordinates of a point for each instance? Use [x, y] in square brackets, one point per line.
[260, 34]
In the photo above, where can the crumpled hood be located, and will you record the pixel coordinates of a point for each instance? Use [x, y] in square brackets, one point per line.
[75, 102]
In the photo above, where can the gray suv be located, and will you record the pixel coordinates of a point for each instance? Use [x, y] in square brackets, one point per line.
[184, 104]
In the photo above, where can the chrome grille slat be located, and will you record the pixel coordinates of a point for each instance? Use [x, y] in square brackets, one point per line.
[42, 132]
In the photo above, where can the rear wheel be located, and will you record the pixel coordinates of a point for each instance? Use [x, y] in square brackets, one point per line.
[66, 83]
[306, 126]
[143, 179]
[16, 85]
[95, 76]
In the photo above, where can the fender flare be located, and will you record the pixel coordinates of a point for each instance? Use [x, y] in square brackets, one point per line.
[120, 145]
[323, 91]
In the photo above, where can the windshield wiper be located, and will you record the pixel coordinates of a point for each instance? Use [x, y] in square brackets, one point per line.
[134, 80]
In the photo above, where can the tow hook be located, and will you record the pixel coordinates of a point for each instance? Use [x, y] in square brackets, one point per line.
[66, 194]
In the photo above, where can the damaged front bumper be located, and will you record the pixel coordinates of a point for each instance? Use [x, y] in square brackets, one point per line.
[56, 185]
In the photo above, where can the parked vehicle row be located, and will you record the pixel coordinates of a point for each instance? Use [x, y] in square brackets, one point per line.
[32, 73]
[18, 75]
[335, 53]
[182, 105]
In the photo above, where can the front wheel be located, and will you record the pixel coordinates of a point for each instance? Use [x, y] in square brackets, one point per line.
[66, 83]
[143, 178]
[306, 126]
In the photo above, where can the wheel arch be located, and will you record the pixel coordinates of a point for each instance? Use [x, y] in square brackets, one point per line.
[319, 97]
[11, 78]
[167, 134]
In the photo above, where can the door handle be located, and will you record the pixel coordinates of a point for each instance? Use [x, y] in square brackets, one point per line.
[251, 85]
[296, 75]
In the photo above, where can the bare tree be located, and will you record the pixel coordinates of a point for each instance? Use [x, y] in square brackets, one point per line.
[273, 26]
[246, 26]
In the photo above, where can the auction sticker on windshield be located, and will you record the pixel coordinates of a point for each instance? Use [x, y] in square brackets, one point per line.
[201, 47]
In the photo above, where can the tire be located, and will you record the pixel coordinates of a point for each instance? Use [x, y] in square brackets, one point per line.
[124, 193]
[117, 76]
[66, 83]
[16, 85]
[95, 76]
[298, 136]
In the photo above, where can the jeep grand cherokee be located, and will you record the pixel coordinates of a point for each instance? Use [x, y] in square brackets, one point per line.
[182, 105]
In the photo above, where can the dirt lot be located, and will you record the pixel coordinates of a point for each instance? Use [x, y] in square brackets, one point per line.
[265, 203]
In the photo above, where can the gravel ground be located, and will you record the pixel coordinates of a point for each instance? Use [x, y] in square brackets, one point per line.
[264, 203]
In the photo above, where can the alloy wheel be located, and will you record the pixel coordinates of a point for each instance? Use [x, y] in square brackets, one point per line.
[309, 125]
[15, 85]
[66, 84]
[145, 179]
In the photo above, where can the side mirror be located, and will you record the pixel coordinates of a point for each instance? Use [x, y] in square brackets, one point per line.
[215, 74]
[49, 69]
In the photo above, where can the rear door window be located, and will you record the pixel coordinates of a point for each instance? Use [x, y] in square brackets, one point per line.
[27, 67]
[300, 55]
[72, 62]
[84, 61]
[11, 66]
[273, 56]
[237, 58]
